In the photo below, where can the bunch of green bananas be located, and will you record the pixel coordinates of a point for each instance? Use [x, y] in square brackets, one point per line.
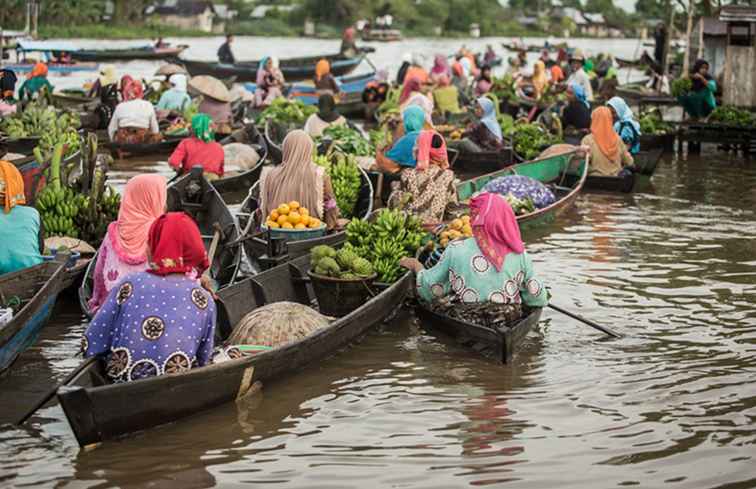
[59, 209]
[346, 181]
[94, 220]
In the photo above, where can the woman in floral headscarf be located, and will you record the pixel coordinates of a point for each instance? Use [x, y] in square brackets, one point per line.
[21, 225]
[490, 267]
[160, 321]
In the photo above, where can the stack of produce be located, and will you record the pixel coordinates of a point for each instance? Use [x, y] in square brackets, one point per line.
[681, 86]
[346, 180]
[285, 111]
[292, 216]
[390, 106]
[459, 228]
[504, 88]
[348, 141]
[43, 121]
[651, 123]
[344, 264]
[733, 116]
[389, 237]
[530, 139]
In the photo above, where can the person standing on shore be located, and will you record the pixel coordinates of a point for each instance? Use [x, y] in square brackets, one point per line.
[225, 55]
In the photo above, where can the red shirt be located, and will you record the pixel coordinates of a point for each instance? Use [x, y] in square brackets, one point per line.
[195, 152]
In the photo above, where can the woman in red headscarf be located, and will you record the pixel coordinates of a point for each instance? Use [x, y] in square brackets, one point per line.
[491, 267]
[160, 321]
[134, 120]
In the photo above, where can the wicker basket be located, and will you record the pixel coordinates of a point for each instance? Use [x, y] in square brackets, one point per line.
[338, 297]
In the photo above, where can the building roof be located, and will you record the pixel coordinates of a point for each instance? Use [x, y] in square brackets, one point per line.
[185, 8]
[737, 13]
[714, 27]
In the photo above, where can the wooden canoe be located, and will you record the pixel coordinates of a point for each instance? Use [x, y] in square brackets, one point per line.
[70, 100]
[498, 344]
[553, 171]
[192, 194]
[293, 69]
[623, 184]
[37, 287]
[98, 411]
[128, 54]
[256, 244]
[646, 161]
[121, 150]
[483, 162]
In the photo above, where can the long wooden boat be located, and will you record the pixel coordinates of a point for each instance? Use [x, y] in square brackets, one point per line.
[128, 54]
[647, 161]
[554, 171]
[624, 183]
[293, 69]
[498, 344]
[483, 162]
[350, 102]
[122, 151]
[98, 410]
[72, 99]
[243, 181]
[381, 35]
[57, 68]
[256, 244]
[37, 288]
[192, 194]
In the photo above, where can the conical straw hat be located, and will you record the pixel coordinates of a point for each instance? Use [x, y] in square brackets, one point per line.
[211, 87]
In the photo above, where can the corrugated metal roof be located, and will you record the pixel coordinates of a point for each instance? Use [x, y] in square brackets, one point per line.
[737, 13]
[714, 27]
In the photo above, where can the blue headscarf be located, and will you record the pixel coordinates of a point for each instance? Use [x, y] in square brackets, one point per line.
[403, 151]
[489, 117]
[626, 120]
[260, 78]
[579, 92]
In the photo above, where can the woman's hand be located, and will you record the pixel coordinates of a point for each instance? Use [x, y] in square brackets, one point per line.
[411, 264]
[207, 283]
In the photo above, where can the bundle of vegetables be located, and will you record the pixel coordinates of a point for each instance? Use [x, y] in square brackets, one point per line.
[391, 104]
[345, 264]
[389, 237]
[529, 139]
[521, 206]
[652, 123]
[732, 116]
[346, 180]
[681, 86]
[348, 140]
[43, 121]
[504, 88]
[287, 111]
[459, 228]
[380, 138]
[66, 212]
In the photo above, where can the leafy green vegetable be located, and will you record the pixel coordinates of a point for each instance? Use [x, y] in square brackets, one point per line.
[681, 86]
[348, 140]
[733, 116]
[530, 139]
[287, 111]
[652, 123]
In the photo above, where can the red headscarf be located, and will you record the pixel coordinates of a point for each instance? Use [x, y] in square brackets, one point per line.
[411, 85]
[131, 89]
[427, 154]
[349, 34]
[39, 69]
[495, 228]
[176, 245]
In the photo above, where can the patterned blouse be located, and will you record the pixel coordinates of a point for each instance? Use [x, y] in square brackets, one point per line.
[465, 272]
[152, 325]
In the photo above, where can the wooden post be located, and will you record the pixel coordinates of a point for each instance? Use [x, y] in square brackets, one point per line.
[670, 31]
[689, 28]
[700, 53]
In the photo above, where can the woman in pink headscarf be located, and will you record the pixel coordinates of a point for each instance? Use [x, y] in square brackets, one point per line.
[440, 69]
[427, 189]
[124, 248]
[490, 267]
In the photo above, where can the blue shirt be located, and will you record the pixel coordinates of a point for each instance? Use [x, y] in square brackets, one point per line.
[19, 247]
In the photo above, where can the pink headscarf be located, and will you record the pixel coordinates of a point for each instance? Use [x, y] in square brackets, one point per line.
[495, 228]
[143, 202]
[427, 154]
[441, 66]
[410, 86]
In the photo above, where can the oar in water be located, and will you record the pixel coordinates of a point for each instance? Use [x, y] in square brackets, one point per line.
[586, 321]
[43, 400]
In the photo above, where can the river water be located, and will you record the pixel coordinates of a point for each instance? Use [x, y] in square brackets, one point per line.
[673, 403]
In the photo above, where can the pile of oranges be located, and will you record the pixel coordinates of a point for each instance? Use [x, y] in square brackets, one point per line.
[292, 216]
[458, 228]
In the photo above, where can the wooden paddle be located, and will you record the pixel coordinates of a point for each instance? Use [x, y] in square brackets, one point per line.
[603, 329]
[43, 400]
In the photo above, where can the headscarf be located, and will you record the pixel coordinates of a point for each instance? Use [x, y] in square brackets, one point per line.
[11, 186]
[698, 85]
[427, 154]
[107, 75]
[441, 65]
[7, 83]
[457, 69]
[588, 65]
[603, 133]
[326, 108]
[495, 228]
[349, 34]
[540, 80]
[274, 62]
[411, 85]
[403, 150]
[424, 102]
[201, 127]
[131, 89]
[444, 81]
[143, 201]
[39, 69]
[489, 117]
[179, 82]
[322, 69]
[557, 75]
[176, 245]
[417, 59]
[579, 92]
[296, 178]
[262, 71]
[624, 114]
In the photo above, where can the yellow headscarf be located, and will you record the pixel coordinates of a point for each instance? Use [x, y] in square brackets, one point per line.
[540, 80]
[11, 186]
[322, 68]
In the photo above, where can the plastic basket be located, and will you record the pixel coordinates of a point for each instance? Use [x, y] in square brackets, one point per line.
[296, 234]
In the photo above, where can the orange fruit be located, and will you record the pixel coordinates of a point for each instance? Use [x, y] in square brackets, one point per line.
[272, 225]
[457, 224]
[304, 211]
[300, 226]
[294, 217]
[283, 209]
[465, 219]
[282, 220]
[274, 215]
[287, 225]
[294, 205]
[314, 223]
[467, 230]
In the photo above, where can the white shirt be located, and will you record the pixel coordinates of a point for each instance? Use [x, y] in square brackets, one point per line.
[134, 113]
[580, 77]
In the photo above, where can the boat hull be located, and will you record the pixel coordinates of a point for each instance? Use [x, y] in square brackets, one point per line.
[293, 69]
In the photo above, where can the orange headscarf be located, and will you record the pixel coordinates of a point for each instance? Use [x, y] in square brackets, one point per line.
[539, 76]
[557, 74]
[322, 68]
[603, 133]
[39, 69]
[11, 186]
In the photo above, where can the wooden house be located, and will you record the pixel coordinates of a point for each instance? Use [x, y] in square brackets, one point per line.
[739, 85]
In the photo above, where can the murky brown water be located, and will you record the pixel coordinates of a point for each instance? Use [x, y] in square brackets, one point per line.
[672, 404]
